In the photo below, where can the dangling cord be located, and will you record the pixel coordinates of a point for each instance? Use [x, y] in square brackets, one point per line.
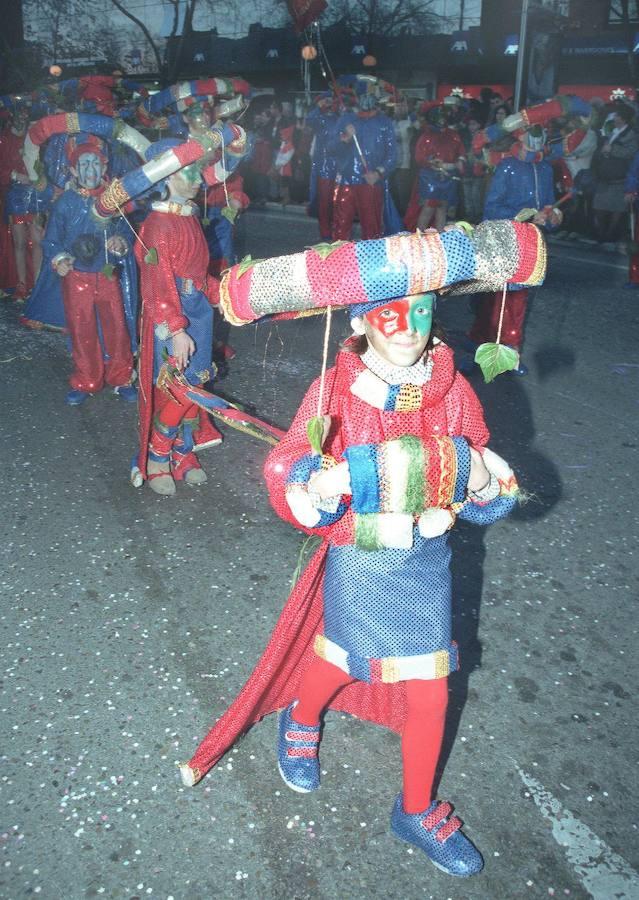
[226, 174]
[327, 332]
[501, 314]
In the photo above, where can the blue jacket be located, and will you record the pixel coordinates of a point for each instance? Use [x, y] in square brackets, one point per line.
[322, 125]
[376, 137]
[72, 229]
[518, 185]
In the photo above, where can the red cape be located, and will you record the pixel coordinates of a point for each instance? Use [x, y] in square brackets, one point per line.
[274, 682]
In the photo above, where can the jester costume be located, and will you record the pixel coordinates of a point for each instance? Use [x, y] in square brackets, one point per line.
[176, 294]
[367, 629]
[322, 120]
[435, 186]
[93, 308]
[377, 152]
[517, 184]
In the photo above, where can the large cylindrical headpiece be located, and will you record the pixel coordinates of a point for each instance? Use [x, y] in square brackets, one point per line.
[347, 273]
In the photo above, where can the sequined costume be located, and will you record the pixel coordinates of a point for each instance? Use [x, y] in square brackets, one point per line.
[20, 204]
[377, 152]
[219, 229]
[176, 294]
[516, 185]
[322, 123]
[434, 147]
[91, 291]
[354, 607]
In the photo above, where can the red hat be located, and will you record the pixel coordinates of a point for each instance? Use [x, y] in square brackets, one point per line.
[86, 143]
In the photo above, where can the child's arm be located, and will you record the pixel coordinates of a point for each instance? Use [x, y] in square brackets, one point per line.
[290, 465]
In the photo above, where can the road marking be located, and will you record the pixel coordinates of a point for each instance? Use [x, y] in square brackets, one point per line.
[603, 873]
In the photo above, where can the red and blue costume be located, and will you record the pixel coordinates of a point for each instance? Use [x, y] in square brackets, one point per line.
[322, 123]
[347, 621]
[90, 295]
[375, 135]
[177, 294]
[517, 184]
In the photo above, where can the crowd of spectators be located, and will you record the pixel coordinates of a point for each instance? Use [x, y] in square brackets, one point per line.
[595, 173]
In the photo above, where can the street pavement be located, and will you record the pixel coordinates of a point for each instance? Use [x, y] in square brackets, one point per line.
[130, 621]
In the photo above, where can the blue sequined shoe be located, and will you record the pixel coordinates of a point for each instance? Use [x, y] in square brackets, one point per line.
[75, 398]
[126, 392]
[297, 747]
[437, 833]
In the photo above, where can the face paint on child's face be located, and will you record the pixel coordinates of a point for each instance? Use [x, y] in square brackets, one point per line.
[399, 331]
[185, 183]
[90, 170]
[420, 316]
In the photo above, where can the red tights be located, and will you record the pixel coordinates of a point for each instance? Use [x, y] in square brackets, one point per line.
[423, 730]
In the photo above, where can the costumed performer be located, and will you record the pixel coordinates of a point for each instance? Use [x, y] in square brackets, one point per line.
[26, 204]
[364, 148]
[401, 451]
[85, 253]
[440, 156]
[521, 182]
[322, 119]
[177, 321]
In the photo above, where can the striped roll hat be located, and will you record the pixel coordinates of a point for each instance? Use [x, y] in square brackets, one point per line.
[365, 274]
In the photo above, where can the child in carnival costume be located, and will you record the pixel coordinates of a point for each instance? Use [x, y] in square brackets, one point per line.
[402, 451]
[177, 322]
[85, 253]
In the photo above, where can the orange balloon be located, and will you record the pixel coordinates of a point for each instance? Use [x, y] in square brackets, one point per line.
[309, 51]
[369, 60]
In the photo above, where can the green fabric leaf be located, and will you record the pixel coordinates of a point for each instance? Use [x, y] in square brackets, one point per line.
[324, 250]
[524, 215]
[493, 359]
[229, 213]
[151, 257]
[108, 269]
[466, 227]
[247, 263]
[315, 433]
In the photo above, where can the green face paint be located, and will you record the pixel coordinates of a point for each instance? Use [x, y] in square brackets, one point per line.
[191, 173]
[420, 314]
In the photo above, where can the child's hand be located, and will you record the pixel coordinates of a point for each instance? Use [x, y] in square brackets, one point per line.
[479, 474]
[331, 482]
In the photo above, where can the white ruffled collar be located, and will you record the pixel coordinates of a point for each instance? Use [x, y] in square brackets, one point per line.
[419, 373]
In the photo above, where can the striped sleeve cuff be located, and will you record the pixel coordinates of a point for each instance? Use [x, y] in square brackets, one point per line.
[362, 466]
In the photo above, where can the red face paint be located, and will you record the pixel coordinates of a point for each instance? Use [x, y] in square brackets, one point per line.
[390, 318]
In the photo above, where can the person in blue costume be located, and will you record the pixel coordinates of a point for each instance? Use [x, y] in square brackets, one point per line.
[85, 255]
[322, 121]
[44, 307]
[522, 181]
[365, 152]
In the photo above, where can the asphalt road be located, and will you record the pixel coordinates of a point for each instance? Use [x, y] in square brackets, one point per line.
[130, 621]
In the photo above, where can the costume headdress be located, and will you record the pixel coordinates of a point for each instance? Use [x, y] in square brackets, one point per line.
[85, 143]
[346, 273]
